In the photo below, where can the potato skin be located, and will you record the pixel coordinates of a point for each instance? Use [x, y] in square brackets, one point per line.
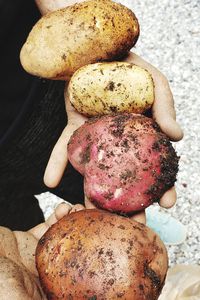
[65, 40]
[126, 161]
[104, 88]
[93, 254]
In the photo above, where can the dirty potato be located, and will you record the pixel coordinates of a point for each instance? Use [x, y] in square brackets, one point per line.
[104, 88]
[96, 255]
[65, 40]
[127, 162]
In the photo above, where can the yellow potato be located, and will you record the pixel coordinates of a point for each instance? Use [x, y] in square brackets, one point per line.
[65, 40]
[104, 88]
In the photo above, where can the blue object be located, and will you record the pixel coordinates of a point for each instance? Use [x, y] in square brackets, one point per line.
[170, 230]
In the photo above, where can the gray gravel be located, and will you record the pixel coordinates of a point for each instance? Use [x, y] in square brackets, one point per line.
[170, 40]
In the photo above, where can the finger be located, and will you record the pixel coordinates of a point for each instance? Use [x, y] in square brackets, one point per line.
[62, 209]
[139, 217]
[75, 119]
[39, 230]
[51, 220]
[77, 207]
[163, 107]
[164, 112]
[168, 199]
[59, 158]
[89, 204]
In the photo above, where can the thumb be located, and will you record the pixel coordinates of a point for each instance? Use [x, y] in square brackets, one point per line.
[58, 160]
[164, 111]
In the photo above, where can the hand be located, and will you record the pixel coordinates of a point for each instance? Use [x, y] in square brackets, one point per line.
[139, 217]
[163, 112]
[163, 107]
[18, 274]
[61, 210]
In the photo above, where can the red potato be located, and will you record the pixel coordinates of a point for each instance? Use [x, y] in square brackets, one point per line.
[126, 161]
[96, 255]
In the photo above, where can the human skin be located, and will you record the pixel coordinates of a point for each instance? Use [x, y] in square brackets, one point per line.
[18, 273]
[46, 6]
[163, 112]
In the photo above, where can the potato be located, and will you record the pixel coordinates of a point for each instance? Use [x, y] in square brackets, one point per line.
[65, 40]
[96, 255]
[104, 88]
[126, 161]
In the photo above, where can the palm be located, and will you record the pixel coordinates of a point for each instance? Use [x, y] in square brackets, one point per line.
[163, 112]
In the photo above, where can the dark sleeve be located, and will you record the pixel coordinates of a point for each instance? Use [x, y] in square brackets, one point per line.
[16, 20]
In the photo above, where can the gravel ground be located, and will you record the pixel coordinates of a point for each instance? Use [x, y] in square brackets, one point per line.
[170, 40]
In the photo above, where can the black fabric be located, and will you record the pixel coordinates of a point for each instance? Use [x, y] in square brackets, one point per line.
[32, 117]
[24, 156]
[21, 213]
[16, 20]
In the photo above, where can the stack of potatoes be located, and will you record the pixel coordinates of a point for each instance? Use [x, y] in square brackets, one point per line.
[95, 254]
[64, 41]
